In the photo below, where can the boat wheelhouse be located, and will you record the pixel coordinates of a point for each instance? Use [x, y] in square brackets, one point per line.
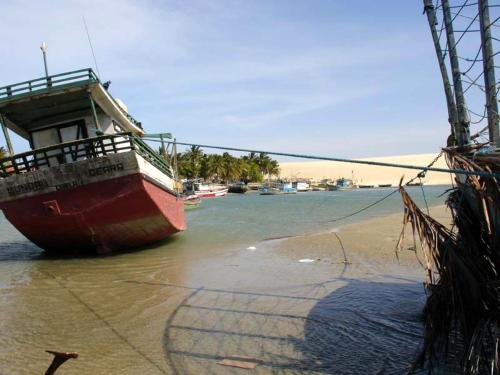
[89, 182]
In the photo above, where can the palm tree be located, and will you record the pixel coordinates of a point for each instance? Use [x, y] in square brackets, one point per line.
[211, 167]
[263, 161]
[190, 162]
[274, 168]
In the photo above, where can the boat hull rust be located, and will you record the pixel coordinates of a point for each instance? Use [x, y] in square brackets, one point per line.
[116, 214]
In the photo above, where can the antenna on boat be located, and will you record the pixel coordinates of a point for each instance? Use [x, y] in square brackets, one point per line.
[91, 47]
[44, 48]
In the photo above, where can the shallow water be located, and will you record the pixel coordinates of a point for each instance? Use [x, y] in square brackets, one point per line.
[180, 306]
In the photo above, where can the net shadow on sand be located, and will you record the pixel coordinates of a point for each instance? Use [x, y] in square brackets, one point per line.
[343, 326]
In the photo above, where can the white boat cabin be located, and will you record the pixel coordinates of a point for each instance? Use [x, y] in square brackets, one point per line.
[61, 109]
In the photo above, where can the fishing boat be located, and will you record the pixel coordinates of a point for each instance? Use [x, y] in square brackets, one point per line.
[238, 188]
[342, 184]
[204, 190]
[89, 182]
[191, 201]
[384, 185]
[254, 185]
[277, 188]
[301, 186]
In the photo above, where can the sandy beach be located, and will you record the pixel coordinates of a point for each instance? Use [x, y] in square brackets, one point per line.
[371, 241]
[364, 174]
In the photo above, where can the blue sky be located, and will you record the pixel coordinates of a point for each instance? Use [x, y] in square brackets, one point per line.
[337, 78]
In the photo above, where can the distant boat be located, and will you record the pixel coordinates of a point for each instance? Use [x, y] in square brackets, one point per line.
[415, 184]
[204, 190]
[191, 201]
[277, 189]
[366, 186]
[254, 185]
[342, 184]
[318, 188]
[385, 185]
[301, 186]
[238, 188]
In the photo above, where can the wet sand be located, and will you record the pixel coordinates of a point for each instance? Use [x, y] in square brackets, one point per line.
[371, 243]
[354, 310]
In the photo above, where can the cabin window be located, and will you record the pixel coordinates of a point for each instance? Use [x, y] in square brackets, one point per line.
[62, 133]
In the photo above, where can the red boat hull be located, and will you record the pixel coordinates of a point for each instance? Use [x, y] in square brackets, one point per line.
[116, 214]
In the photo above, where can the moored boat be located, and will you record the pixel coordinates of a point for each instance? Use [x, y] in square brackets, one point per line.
[238, 188]
[205, 190]
[191, 201]
[254, 185]
[89, 183]
[277, 188]
[342, 184]
[301, 186]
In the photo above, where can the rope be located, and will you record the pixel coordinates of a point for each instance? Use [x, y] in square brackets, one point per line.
[341, 160]
[425, 198]
[388, 195]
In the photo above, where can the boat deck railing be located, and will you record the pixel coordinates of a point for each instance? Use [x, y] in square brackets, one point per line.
[40, 85]
[83, 149]
[53, 82]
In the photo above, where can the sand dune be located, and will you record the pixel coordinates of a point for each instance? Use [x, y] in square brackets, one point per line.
[367, 175]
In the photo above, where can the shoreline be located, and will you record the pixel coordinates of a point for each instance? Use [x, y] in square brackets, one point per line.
[366, 174]
[371, 243]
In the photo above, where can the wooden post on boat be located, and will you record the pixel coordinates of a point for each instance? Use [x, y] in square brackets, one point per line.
[430, 11]
[163, 149]
[489, 72]
[6, 134]
[463, 133]
[175, 167]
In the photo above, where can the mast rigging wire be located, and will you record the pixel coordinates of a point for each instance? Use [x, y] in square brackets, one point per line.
[91, 47]
[341, 160]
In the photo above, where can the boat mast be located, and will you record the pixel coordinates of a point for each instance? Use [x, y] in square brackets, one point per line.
[489, 72]
[450, 100]
[462, 132]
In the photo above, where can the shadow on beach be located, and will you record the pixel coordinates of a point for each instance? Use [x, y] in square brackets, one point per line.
[25, 250]
[361, 327]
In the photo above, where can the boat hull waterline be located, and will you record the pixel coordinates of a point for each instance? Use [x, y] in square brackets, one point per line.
[125, 210]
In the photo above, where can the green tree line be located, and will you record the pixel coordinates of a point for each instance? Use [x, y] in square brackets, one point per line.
[194, 163]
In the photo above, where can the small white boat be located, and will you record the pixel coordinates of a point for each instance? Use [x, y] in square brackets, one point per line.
[209, 191]
[301, 186]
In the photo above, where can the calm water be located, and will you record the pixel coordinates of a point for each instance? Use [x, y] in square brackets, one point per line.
[181, 306]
